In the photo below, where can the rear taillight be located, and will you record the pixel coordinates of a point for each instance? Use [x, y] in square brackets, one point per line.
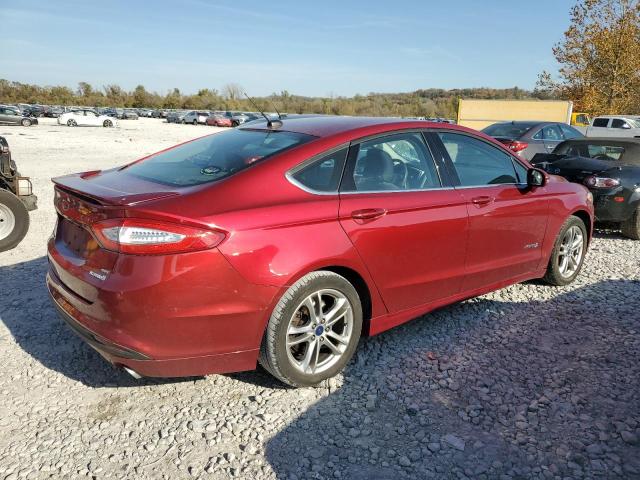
[594, 181]
[516, 145]
[150, 237]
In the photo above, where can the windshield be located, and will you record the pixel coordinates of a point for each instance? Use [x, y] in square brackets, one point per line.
[214, 157]
[633, 122]
[507, 130]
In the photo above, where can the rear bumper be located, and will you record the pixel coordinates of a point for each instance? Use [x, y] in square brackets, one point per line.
[196, 318]
[609, 210]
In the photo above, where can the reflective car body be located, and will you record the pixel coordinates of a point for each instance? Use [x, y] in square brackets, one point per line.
[385, 203]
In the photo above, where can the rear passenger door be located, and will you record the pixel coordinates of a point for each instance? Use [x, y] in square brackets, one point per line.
[507, 219]
[406, 222]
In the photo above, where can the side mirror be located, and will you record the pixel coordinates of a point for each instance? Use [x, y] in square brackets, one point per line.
[626, 126]
[536, 177]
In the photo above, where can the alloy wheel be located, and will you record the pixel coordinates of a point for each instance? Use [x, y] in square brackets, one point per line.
[319, 331]
[571, 251]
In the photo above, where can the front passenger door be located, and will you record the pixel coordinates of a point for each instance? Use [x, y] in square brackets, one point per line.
[507, 219]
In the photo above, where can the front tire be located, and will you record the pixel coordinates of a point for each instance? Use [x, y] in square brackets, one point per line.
[631, 226]
[568, 253]
[107, 124]
[26, 122]
[71, 123]
[314, 330]
[14, 220]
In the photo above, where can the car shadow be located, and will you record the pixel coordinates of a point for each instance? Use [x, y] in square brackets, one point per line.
[482, 389]
[28, 314]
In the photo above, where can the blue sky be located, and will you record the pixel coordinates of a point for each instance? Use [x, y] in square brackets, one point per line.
[306, 47]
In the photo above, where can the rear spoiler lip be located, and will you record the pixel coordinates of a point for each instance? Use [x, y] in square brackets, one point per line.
[105, 195]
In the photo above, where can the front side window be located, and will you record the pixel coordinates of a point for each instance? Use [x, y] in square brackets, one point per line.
[323, 174]
[393, 163]
[215, 157]
[476, 162]
[601, 122]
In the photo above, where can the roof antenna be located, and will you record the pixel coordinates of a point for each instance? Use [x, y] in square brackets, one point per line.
[270, 123]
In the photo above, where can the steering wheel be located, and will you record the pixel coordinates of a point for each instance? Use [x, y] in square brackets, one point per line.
[402, 175]
[602, 156]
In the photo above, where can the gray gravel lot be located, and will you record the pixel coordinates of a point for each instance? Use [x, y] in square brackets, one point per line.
[528, 382]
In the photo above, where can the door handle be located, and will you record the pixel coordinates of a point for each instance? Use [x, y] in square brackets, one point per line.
[368, 213]
[482, 200]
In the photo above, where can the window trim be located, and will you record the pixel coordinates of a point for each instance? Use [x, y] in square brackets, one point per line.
[454, 173]
[349, 165]
[289, 174]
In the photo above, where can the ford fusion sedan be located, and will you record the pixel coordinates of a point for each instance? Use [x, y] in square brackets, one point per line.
[282, 242]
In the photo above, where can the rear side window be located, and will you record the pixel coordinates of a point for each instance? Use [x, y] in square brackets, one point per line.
[392, 163]
[323, 174]
[215, 157]
[476, 162]
[601, 122]
[569, 132]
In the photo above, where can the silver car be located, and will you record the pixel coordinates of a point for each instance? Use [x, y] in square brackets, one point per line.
[525, 139]
[196, 117]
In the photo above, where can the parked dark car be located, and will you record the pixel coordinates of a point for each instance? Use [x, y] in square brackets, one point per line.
[13, 116]
[282, 241]
[34, 111]
[127, 114]
[610, 169]
[525, 139]
[16, 200]
[176, 116]
[54, 112]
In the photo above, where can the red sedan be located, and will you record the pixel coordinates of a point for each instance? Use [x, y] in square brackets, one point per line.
[218, 121]
[284, 242]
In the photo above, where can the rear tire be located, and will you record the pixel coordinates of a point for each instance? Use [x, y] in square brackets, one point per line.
[326, 310]
[631, 226]
[14, 220]
[107, 124]
[567, 256]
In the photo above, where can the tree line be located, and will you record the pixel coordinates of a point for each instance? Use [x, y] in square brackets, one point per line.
[421, 103]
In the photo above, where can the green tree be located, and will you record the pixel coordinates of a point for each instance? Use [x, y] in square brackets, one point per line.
[599, 58]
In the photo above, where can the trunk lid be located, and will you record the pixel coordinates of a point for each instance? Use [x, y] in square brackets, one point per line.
[81, 200]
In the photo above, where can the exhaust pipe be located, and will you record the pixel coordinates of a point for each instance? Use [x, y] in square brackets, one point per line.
[131, 372]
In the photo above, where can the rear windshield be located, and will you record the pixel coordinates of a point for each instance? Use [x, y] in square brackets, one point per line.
[214, 157]
[507, 130]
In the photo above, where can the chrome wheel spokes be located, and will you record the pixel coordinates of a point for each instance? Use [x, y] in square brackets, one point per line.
[319, 331]
[571, 251]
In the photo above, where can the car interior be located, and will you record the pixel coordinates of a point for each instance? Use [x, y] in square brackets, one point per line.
[400, 163]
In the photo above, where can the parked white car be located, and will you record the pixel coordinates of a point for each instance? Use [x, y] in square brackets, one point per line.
[614, 126]
[86, 118]
[196, 117]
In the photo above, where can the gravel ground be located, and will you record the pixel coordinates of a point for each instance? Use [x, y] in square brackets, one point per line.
[527, 382]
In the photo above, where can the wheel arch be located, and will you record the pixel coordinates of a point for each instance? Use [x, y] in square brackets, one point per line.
[361, 286]
[586, 218]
